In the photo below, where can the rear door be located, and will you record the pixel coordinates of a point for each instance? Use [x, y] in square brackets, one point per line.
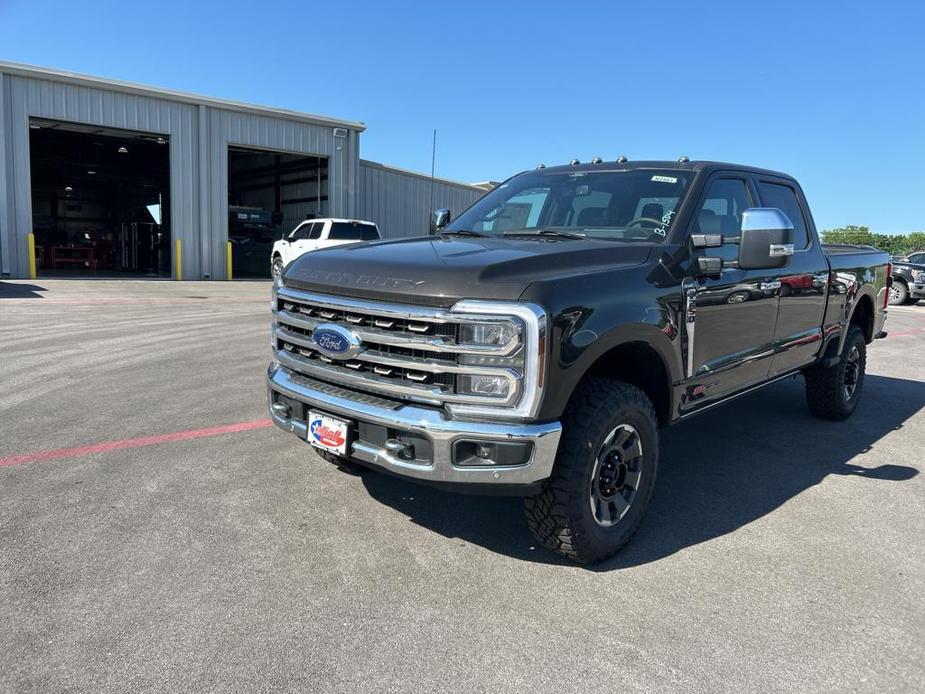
[803, 284]
[730, 318]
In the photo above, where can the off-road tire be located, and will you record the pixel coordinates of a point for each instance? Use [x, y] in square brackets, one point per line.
[560, 516]
[825, 386]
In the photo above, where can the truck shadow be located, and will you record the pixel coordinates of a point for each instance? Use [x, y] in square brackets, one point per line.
[10, 290]
[718, 472]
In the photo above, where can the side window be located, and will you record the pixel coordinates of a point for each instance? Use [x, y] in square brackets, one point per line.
[315, 231]
[299, 232]
[783, 198]
[917, 258]
[352, 231]
[721, 212]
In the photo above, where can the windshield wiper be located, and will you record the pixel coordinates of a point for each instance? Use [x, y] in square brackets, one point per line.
[547, 232]
[462, 232]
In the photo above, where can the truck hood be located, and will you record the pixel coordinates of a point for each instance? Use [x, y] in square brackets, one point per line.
[437, 271]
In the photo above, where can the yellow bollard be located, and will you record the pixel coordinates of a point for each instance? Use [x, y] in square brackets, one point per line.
[228, 258]
[31, 240]
[179, 258]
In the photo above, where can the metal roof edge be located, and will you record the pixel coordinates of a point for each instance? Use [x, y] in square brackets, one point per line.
[53, 75]
[417, 174]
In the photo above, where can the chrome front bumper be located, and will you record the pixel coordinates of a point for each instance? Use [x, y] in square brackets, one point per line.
[427, 423]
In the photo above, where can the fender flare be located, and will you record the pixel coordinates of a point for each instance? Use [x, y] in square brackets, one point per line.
[646, 334]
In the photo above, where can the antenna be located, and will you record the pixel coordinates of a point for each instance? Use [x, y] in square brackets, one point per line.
[433, 166]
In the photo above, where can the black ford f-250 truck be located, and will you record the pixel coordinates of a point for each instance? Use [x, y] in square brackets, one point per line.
[536, 344]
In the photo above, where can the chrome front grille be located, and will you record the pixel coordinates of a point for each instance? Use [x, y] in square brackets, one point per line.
[408, 353]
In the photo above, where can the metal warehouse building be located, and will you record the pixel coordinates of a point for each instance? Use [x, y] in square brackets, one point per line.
[106, 177]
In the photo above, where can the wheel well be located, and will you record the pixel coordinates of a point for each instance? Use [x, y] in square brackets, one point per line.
[276, 254]
[638, 364]
[863, 317]
[901, 280]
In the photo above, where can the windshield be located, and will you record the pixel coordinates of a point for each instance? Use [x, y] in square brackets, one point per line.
[619, 205]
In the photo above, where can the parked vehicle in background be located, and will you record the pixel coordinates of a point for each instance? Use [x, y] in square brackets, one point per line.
[536, 345]
[315, 234]
[908, 279]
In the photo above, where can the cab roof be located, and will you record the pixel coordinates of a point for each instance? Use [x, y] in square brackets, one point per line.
[696, 166]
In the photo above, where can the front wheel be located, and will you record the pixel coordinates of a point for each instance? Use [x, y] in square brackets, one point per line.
[603, 476]
[834, 392]
[276, 267]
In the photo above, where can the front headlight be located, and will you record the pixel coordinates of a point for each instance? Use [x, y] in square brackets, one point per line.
[513, 337]
[487, 334]
[492, 386]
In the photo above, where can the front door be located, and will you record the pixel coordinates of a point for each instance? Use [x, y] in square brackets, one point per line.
[304, 238]
[731, 318]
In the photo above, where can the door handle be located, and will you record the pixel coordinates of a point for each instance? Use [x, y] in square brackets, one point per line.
[771, 286]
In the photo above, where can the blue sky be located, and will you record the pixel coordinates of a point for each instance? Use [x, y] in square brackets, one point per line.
[830, 92]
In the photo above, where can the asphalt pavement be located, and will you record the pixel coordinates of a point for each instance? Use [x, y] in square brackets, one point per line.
[157, 535]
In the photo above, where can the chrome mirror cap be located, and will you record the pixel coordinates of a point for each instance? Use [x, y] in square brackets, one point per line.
[765, 219]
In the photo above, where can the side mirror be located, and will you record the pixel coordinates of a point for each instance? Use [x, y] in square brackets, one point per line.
[766, 239]
[439, 220]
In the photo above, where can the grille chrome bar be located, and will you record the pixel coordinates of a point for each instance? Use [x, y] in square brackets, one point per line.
[374, 356]
[369, 381]
[397, 339]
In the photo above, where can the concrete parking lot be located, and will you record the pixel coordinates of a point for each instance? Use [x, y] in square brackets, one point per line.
[157, 534]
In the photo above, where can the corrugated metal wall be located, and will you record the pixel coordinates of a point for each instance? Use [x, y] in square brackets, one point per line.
[197, 133]
[400, 203]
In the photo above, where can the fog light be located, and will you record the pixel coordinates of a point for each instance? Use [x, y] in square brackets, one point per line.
[498, 386]
[467, 453]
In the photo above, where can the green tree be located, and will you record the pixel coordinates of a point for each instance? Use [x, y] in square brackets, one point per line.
[894, 244]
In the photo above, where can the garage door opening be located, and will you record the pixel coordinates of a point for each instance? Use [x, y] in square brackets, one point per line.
[100, 200]
[269, 194]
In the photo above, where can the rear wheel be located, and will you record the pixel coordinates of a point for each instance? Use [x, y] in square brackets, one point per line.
[834, 392]
[604, 473]
[899, 293]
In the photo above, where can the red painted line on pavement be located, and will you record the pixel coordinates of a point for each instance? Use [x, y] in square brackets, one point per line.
[107, 446]
[133, 302]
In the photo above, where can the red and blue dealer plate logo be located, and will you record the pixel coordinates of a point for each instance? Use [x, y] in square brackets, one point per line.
[327, 432]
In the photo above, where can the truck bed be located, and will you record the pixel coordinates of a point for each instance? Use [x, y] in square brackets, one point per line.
[831, 249]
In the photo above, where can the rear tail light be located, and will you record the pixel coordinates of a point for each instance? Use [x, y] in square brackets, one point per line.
[889, 284]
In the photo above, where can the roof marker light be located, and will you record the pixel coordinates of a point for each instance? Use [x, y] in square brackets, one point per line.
[621, 159]
[596, 160]
[574, 162]
[540, 166]
[683, 160]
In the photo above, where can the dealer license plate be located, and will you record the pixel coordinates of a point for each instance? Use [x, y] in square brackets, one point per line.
[327, 432]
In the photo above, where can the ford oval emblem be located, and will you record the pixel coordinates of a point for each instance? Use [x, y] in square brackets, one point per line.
[336, 341]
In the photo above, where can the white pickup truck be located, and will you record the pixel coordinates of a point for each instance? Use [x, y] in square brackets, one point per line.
[314, 234]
